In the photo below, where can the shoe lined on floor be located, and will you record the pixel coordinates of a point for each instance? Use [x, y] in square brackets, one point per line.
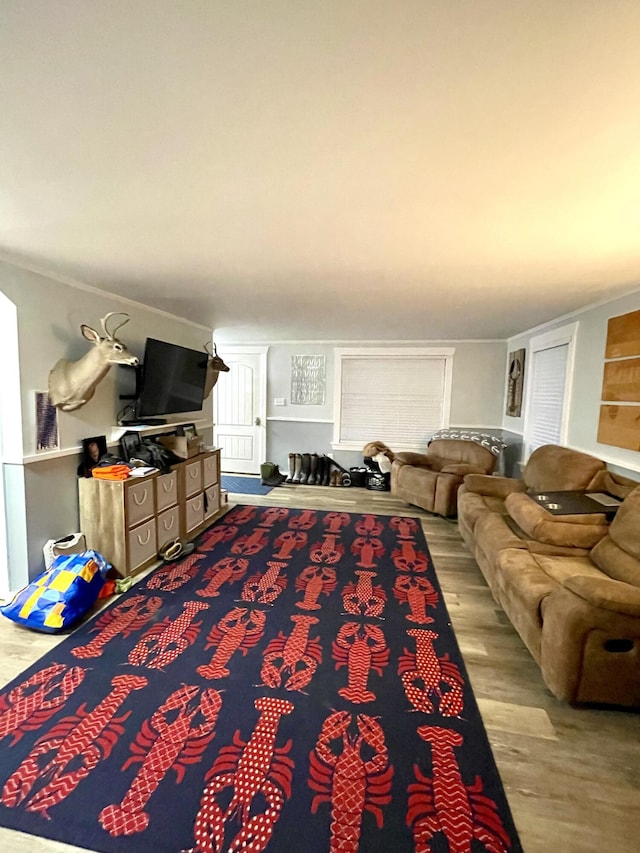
[176, 549]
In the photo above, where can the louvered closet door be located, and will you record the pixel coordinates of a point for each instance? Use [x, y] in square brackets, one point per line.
[547, 403]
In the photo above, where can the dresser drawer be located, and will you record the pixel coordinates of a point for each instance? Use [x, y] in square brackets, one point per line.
[140, 503]
[194, 512]
[192, 478]
[142, 544]
[210, 470]
[166, 490]
[168, 526]
[212, 501]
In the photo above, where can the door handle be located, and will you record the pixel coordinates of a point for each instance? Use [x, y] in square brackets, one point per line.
[257, 421]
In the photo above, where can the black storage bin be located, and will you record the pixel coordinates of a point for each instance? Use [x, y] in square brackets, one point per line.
[378, 482]
[358, 476]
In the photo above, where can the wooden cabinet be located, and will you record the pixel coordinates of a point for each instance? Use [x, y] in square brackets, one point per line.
[130, 521]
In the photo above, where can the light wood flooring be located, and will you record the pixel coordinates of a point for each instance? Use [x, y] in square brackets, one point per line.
[572, 775]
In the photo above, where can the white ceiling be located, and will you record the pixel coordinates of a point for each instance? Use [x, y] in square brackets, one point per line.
[330, 169]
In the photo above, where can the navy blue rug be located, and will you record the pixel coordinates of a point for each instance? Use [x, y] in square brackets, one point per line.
[244, 485]
[292, 685]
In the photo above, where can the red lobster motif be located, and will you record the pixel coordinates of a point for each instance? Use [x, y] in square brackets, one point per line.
[404, 527]
[270, 516]
[250, 544]
[288, 542]
[435, 674]
[265, 588]
[122, 620]
[227, 570]
[169, 740]
[407, 559]
[363, 598]
[241, 515]
[254, 769]
[80, 741]
[335, 521]
[315, 581]
[367, 548]
[445, 804]
[241, 629]
[173, 577]
[304, 521]
[295, 654]
[417, 592]
[30, 704]
[361, 648]
[346, 780]
[219, 533]
[369, 525]
[329, 551]
[166, 641]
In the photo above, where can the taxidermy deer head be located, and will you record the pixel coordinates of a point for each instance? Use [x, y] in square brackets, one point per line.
[215, 366]
[73, 383]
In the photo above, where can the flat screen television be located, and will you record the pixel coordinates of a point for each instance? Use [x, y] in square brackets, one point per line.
[172, 380]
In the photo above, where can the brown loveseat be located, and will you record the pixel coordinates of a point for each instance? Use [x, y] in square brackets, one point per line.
[431, 480]
[569, 584]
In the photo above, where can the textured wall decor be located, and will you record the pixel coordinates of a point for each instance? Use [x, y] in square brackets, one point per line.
[516, 381]
[46, 422]
[308, 380]
[619, 423]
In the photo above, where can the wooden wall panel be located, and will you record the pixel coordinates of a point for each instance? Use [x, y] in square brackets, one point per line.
[623, 335]
[620, 426]
[621, 381]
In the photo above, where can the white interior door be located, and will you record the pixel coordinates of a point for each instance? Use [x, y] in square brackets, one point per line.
[240, 403]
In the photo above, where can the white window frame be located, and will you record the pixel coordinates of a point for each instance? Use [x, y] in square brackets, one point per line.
[344, 353]
[564, 335]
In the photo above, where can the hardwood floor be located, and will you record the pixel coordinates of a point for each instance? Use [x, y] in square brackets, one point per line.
[572, 775]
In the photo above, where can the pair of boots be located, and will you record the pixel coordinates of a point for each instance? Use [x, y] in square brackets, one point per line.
[310, 469]
[270, 474]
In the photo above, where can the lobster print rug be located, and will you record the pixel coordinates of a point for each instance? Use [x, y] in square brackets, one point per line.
[292, 685]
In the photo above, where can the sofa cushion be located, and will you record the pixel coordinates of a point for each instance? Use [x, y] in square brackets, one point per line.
[607, 594]
[624, 528]
[618, 554]
[495, 487]
[576, 531]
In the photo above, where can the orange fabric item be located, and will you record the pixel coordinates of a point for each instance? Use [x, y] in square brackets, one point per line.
[111, 472]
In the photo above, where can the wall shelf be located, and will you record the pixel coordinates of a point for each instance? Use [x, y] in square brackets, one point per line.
[116, 434]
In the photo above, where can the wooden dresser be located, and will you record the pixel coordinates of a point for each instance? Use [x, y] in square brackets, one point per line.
[130, 521]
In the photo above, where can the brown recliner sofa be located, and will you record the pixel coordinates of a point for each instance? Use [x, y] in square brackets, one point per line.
[537, 563]
[431, 480]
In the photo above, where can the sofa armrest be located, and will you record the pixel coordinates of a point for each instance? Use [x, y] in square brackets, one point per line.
[409, 457]
[495, 487]
[606, 593]
[574, 531]
[460, 469]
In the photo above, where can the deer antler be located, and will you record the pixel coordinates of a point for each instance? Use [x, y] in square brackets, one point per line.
[210, 348]
[105, 319]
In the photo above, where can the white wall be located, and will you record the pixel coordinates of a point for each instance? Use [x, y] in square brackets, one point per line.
[587, 381]
[49, 315]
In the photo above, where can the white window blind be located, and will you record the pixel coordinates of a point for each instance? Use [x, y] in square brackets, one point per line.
[547, 396]
[400, 400]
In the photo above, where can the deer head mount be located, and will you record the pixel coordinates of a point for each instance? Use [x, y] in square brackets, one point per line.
[215, 366]
[73, 383]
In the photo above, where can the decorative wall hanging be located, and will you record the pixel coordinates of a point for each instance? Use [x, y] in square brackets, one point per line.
[515, 383]
[47, 437]
[619, 423]
[308, 380]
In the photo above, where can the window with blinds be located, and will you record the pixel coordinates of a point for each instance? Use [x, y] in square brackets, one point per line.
[398, 396]
[547, 396]
[548, 388]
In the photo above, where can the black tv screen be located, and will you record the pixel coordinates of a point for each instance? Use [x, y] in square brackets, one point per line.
[173, 379]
